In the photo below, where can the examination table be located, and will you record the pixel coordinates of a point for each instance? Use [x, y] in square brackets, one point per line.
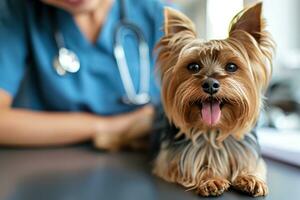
[83, 173]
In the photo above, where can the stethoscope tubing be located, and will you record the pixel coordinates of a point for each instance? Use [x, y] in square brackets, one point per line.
[123, 67]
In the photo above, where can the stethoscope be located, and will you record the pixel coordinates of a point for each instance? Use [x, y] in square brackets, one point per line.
[67, 61]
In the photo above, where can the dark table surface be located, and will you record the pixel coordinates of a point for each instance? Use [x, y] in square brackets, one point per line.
[82, 173]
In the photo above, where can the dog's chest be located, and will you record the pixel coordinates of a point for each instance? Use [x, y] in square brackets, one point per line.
[205, 152]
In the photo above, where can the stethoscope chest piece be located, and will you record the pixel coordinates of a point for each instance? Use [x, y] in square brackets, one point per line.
[66, 61]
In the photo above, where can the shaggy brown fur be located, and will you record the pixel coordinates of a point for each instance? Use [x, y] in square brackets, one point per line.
[213, 157]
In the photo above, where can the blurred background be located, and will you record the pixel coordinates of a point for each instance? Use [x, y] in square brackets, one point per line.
[83, 173]
[279, 126]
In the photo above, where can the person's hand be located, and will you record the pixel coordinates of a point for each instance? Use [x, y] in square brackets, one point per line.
[123, 130]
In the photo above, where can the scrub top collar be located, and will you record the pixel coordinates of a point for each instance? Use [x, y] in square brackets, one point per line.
[69, 28]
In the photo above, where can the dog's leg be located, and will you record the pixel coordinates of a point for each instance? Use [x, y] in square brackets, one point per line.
[252, 182]
[204, 182]
[205, 185]
[165, 168]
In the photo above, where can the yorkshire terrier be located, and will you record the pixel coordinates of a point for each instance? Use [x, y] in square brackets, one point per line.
[212, 94]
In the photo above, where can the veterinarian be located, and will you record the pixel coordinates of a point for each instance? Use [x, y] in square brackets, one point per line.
[60, 80]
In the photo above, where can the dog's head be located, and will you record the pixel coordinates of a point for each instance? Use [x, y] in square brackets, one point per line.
[216, 85]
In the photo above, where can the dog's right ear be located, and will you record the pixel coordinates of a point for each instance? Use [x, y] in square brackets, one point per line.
[175, 22]
[179, 31]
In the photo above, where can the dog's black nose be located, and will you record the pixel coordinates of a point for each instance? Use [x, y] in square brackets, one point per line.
[211, 86]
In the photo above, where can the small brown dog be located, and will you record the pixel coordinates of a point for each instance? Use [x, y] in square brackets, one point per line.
[212, 92]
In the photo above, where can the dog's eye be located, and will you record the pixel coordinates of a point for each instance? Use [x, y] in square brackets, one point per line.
[231, 67]
[194, 67]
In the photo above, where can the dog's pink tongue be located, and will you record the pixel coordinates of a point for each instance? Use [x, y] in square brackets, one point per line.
[211, 112]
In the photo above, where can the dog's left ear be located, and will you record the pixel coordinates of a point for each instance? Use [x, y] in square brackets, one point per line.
[175, 22]
[249, 20]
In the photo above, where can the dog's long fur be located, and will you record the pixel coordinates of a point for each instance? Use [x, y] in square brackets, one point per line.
[211, 158]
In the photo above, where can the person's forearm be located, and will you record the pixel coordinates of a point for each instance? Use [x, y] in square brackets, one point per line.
[27, 128]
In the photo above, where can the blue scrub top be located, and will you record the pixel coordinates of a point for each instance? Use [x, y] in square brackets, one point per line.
[28, 47]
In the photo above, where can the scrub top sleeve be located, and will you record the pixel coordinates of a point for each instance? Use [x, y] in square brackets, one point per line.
[12, 45]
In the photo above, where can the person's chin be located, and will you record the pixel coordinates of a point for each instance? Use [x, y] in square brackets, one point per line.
[79, 6]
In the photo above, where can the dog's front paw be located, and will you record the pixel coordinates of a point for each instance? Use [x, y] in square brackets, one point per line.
[213, 187]
[251, 185]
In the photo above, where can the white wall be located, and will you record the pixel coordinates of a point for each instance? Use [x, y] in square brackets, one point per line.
[283, 21]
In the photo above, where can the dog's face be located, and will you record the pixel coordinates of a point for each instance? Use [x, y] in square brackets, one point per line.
[216, 85]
